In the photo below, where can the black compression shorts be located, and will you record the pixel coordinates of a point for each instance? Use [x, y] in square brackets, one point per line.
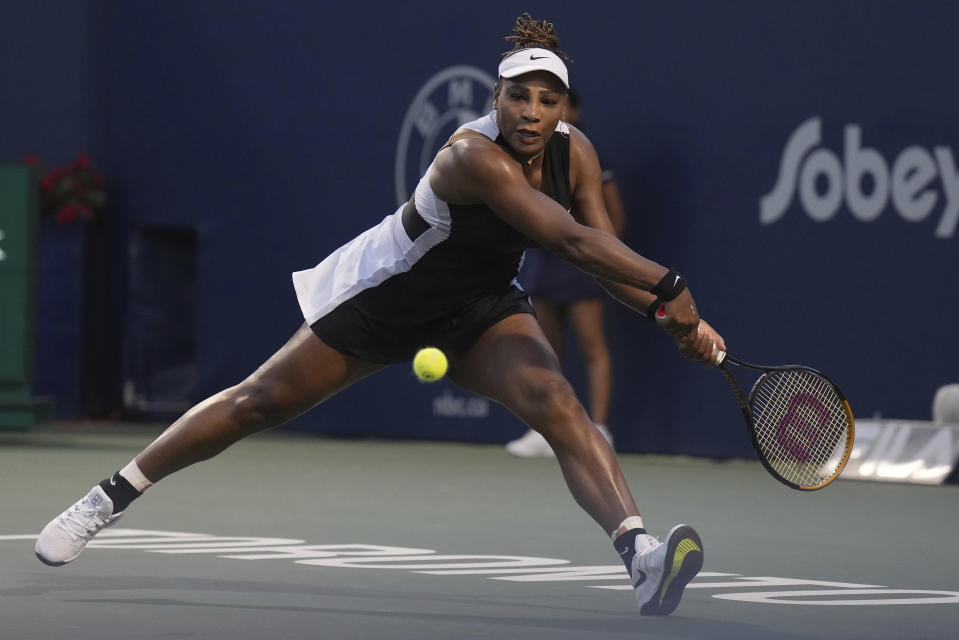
[351, 329]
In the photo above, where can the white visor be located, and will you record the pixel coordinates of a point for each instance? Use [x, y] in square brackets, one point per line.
[526, 60]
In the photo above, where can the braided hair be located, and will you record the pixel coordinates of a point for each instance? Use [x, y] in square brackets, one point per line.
[529, 33]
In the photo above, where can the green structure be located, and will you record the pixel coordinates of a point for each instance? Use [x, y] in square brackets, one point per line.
[19, 409]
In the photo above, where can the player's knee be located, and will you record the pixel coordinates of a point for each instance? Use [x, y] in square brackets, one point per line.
[553, 401]
[254, 406]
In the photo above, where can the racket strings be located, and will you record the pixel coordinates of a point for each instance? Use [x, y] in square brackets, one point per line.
[801, 425]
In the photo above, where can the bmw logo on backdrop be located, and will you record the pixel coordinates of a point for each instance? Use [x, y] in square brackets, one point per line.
[452, 97]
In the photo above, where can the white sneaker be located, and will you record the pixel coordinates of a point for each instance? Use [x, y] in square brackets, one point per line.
[531, 445]
[661, 570]
[64, 537]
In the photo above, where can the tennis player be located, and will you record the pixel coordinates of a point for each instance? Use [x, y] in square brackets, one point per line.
[441, 271]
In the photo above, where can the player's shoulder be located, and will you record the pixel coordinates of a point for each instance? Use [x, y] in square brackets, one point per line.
[469, 166]
[466, 144]
[471, 153]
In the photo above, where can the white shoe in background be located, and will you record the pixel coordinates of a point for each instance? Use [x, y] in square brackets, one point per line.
[531, 445]
[603, 429]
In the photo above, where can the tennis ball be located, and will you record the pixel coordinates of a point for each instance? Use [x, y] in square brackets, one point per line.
[430, 364]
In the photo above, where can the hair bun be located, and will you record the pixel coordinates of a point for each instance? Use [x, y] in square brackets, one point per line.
[534, 33]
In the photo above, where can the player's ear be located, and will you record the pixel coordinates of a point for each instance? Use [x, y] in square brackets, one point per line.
[496, 90]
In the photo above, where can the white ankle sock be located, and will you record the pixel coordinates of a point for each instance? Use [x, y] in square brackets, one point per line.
[132, 474]
[632, 522]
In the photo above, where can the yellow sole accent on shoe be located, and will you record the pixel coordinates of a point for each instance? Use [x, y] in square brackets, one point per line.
[682, 550]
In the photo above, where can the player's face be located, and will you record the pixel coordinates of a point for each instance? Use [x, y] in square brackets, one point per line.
[528, 107]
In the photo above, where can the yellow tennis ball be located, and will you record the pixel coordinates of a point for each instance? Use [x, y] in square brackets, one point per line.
[430, 364]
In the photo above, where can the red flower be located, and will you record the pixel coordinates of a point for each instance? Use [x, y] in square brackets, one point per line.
[31, 159]
[48, 182]
[82, 161]
[67, 213]
[58, 172]
[72, 192]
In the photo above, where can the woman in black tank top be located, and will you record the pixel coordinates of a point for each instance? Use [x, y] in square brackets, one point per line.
[504, 356]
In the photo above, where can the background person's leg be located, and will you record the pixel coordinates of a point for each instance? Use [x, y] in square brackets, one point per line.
[552, 320]
[586, 317]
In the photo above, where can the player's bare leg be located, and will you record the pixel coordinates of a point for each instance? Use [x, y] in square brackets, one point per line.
[586, 318]
[303, 373]
[552, 320]
[513, 364]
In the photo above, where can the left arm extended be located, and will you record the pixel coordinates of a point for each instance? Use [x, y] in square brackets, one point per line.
[589, 209]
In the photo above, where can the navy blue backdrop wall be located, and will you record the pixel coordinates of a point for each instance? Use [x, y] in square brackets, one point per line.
[795, 160]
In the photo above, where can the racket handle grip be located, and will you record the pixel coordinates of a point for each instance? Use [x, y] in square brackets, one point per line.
[720, 357]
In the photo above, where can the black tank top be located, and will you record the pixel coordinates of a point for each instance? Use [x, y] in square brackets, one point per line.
[483, 253]
[431, 259]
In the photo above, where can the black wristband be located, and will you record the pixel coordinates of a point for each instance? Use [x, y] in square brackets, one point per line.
[670, 286]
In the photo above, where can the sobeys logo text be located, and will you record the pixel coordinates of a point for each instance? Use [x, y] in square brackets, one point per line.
[919, 183]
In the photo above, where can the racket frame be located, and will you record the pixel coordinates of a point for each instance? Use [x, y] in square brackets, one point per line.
[745, 403]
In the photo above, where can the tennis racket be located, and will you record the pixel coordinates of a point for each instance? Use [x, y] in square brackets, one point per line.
[799, 423]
